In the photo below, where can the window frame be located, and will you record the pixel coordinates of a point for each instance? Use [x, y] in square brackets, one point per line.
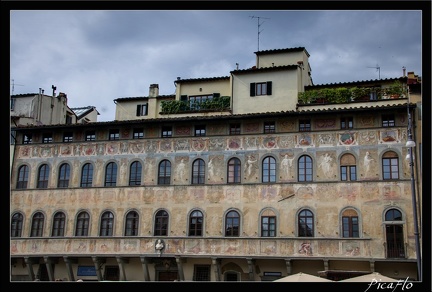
[164, 172]
[234, 171]
[86, 175]
[269, 127]
[106, 224]
[27, 138]
[90, 135]
[268, 169]
[232, 218]
[131, 223]
[235, 129]
[142, 110]
[17, 222]
[200, 131]
[64, 175]
[196, 223]
[43, 176]
[82, 226]
[305, 169]
[135, 173]
[350, 229]
[305, 223]
[198, 172]
[47, 138]
[67, 137]
[58, 224]
[37, 225]
[346, 123]
[305, 125]
[388, 120]
[138, 133]
[268, 229]
[114, 134]
[161, 223]
[166, 131]
[23, 176]
[111, 174]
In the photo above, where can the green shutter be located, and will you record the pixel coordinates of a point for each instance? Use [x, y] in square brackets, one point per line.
[252, 89]
[269, 87]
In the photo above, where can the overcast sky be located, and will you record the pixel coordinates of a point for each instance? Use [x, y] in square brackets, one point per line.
[98, 56]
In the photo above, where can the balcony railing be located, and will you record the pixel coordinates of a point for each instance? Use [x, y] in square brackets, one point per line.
[353, 94]
[179, 106]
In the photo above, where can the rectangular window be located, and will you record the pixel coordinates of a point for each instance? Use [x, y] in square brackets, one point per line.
[268, 226]
[114, 134]
[200, 130]
[90, 136]
[166, 131]
[68, 120]
[234, 129]
[347, 123]
[304, 126]
[195, 102]
[142, 110]
[201, 273]
[269, 127]
[390, 168]
[47, 138]
[348, 173]
[388, 121]
[67, 137]
[27, 139]
[350, 226]
[261, 88]
[138, 133]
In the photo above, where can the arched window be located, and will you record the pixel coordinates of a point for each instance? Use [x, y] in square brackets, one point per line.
[305, 224]
[23, 173]
[305, 168]
[16, 224]
[234, 168]
[269, 170]
[394, 234]
[107, 224]
[58, 224]
[198, 171]
[390, 165]
[82, 224]
[43, 175]
[232, 224]
[164, 175]
[196, 223]
[268, 224]
[37, 225]
[131, 225]
[348, 168]
[111, 174]
[64, 175]
[161, 223]
[135, 174]
[350, 223]
[87, 175]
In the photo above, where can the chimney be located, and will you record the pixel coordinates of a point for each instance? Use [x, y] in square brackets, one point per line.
[154, 90]
[403, 71]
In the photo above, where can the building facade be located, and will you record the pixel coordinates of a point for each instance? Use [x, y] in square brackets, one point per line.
[246, 177]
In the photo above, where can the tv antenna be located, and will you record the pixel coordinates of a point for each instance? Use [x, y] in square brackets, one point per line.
[259, 24]
[14, 84]
[378, 68]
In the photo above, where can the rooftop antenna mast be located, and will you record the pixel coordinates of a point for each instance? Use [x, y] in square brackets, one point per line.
[259, 24]
[378, 68]
[13, 85]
